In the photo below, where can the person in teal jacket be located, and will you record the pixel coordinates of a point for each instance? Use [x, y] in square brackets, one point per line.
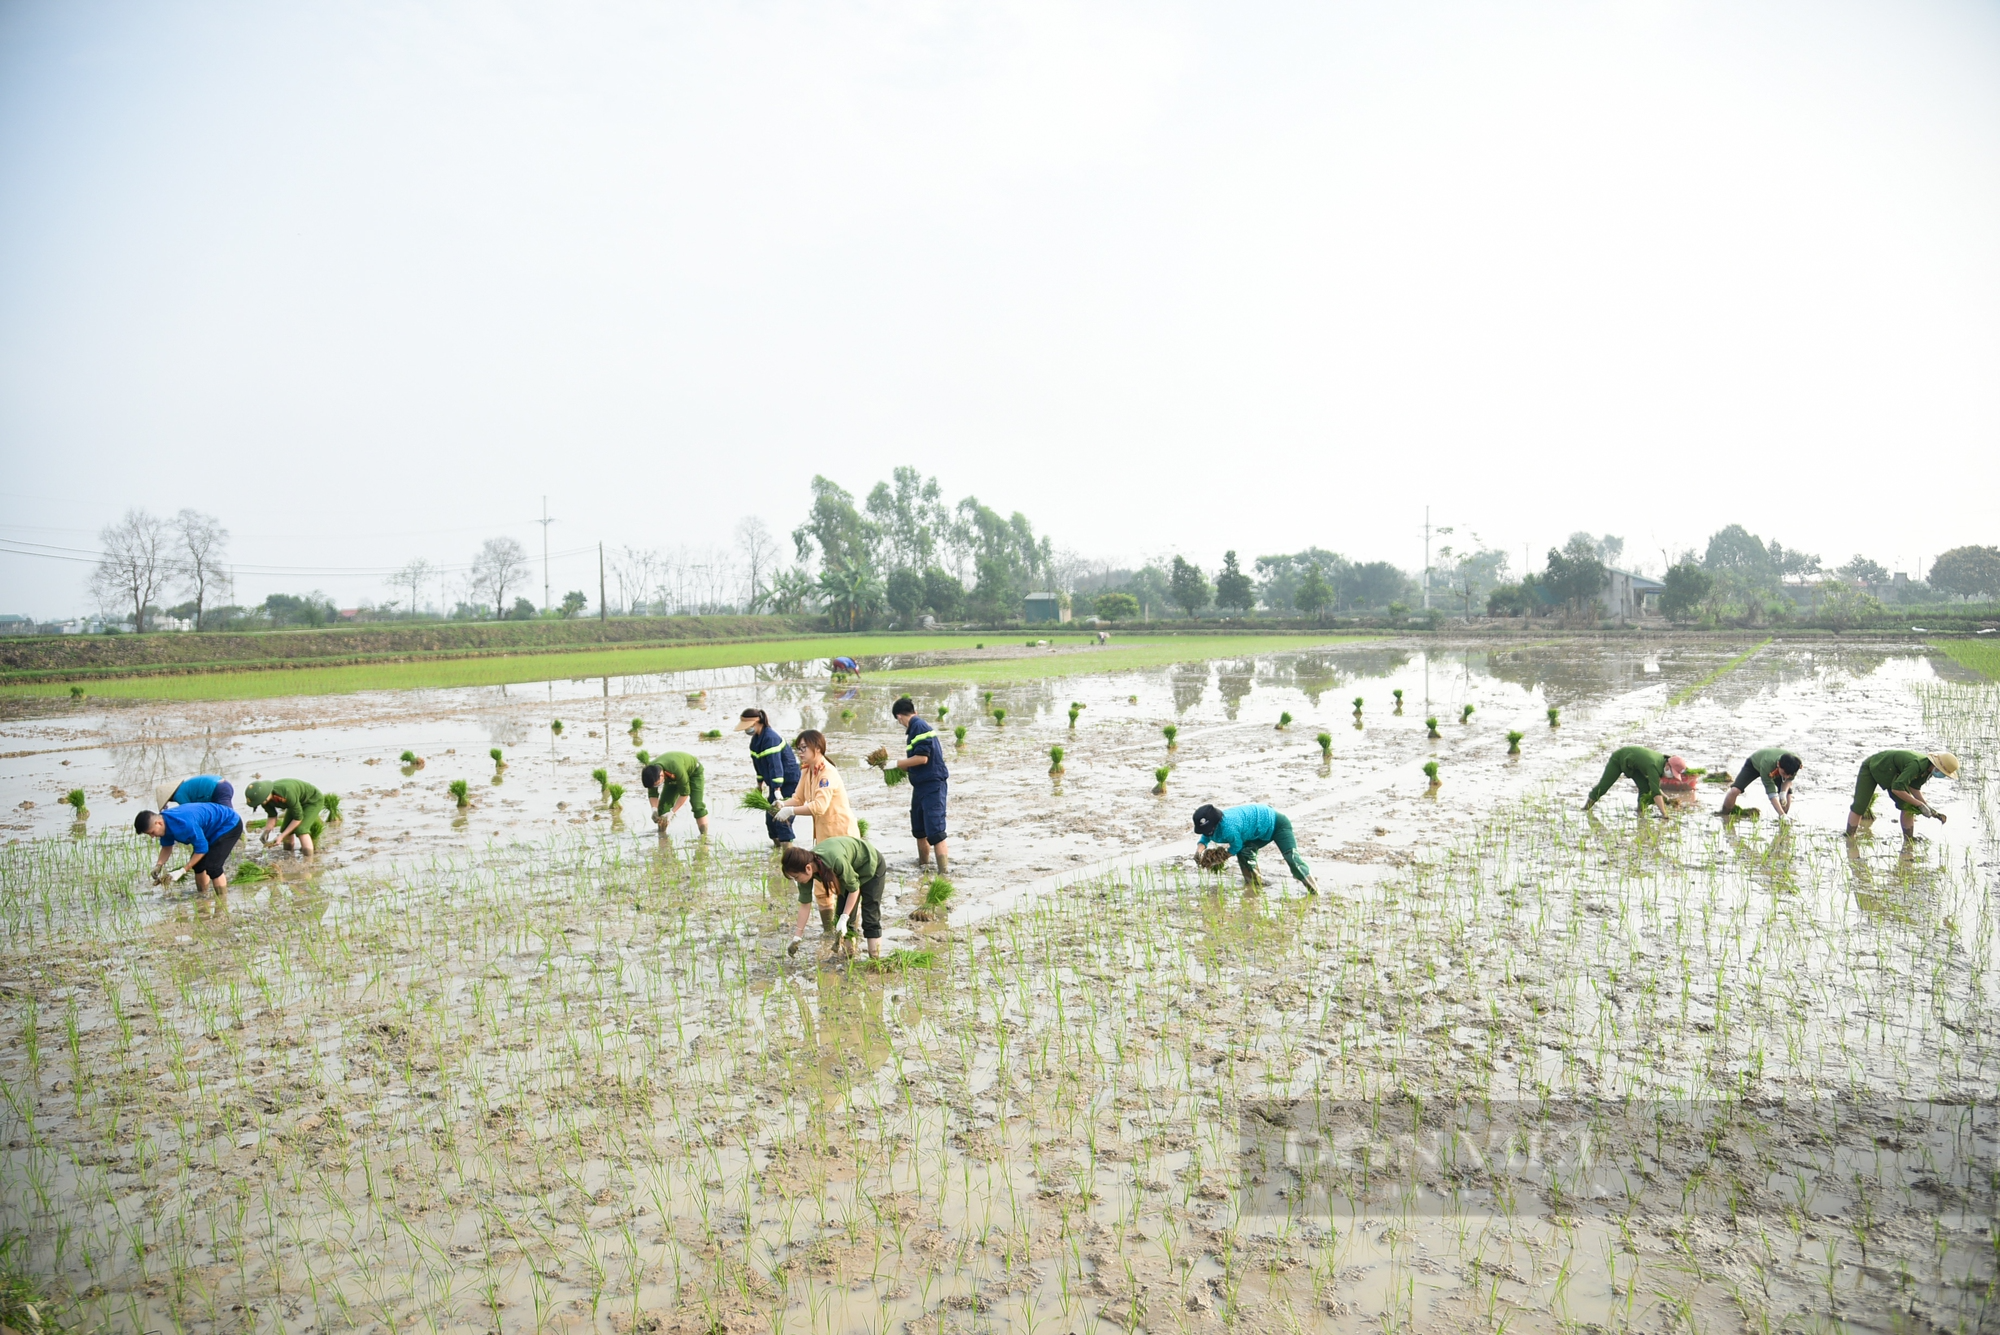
[1240, 831]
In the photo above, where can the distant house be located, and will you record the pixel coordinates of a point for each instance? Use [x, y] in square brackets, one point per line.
[1045, 607]
[11, 624]
[1630, 596]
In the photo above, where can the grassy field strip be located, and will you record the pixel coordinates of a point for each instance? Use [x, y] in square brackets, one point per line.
[1687, 693]
[1123, 657]
[1982, 656]
[493, 670]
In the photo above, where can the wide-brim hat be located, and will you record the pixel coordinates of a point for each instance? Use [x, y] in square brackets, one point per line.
[1947, 764]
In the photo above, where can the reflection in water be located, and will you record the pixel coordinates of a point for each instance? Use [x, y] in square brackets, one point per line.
[1190, 683]
[1236, 680]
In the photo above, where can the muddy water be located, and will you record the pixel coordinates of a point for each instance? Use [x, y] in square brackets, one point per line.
[578, 1084]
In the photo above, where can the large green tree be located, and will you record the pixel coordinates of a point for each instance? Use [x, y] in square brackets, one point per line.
[1687, 588]
[1233, 589]
[1190, 587]
[1575, 576]
[1967, 572]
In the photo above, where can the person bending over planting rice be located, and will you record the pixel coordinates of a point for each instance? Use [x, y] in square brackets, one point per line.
[1776, 768]
[677, 775]
[846, 667]
[777, 770]
[293, 809]
[923, 761]
[200, 788]
[1643, 767]
[1903, 774]
[209, 828]
[1239, 832]
[849, 868]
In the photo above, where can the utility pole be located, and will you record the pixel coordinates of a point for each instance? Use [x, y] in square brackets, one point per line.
[601, 613]
[545, 521]
[1427, 561]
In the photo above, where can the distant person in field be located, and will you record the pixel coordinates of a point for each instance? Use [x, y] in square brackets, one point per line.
[1775, 768]
[293, 809]
[1903, 774]
[1239, 832]
[1644, 768]
[846, 667]
[200, 788]
[849, 868]
[777, 767]
[680, 776]
[208, 828]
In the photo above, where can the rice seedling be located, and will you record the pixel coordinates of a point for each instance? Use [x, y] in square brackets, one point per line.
[1431, 772]
[1075, 708]
[846, 716]
[893, 777]
[1555, 717]
[1170, 732]
[638, 725]
[958, 733]
[1325, 741]
[1431, 727]
[644, 757]
[1055, 760]
[712, 734]
[555, 726]
[942, 712]
[1398, 693]
[76, 693]
[461, 791]
[1284, 721]
[937, 893]
[499, 758]
[602, 777]
[1465, 714]
[861, 825]
[986, 699]
[332, 804]
[1357, 704]
[1514, 742]
[76, 799]
[412, 759]
[1000, 717]
[1160, 780]
[616, 792]
[755, 800]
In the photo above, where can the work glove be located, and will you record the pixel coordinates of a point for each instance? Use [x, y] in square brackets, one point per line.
[793, 949]
[782, 813]
[840, 925]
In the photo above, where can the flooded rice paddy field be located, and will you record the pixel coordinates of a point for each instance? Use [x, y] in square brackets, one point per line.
[1517, 1067]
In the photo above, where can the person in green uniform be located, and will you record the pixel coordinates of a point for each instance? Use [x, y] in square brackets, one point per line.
[1643, 767]
[677, 775]
[1777, 767]
[853, 869]
[293, 809]
[1903, 774]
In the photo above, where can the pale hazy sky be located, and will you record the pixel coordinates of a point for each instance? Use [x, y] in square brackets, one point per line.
[367, 280]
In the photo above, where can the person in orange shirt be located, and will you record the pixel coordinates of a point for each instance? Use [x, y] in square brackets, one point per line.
[822, 794]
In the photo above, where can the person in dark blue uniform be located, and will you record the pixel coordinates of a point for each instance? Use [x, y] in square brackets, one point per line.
[923, 761]
[777, 770]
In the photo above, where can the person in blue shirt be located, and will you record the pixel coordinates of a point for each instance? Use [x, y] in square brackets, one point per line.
[209, 828]
[1241, 831]
[201, 788]
[923, 761]
[777, 767]
[844, 667]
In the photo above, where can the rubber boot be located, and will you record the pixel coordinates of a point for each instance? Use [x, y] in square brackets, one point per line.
[826, 917]
[942, 869]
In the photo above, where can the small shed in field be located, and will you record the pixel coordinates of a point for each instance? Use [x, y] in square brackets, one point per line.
[1043, 608]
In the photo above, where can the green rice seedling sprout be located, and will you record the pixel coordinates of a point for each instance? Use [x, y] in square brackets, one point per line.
[332, 801]
[462, 791]
[75, 798]
[644, 758]
[1431, 772]
[846, 714]
[942, 710]
[1514, 742]
[603, 778]
[958, 732]
[76, 692]
[499, 758]
[862, 826]
[1431, 723]
[1170, 731]
[638, 724]
[1075, 708]
[1555, 720]
[711, 734]
[891, 776]
[1465, 714]
[1131, 699]
[412, 759]
[1325, 741]
[754, 800]
[1284, 720]
[1160, 780]
[1055, 760]
[1398, 693]
[937, 893]
[616, 792]
[1000, 717]
[555, 726]
[1357, 704]
[987, 696]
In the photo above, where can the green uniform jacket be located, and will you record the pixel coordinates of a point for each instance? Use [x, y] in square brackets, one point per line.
[681, 775]
[1764, 762]
[1643, 767]
[854, 861]
[1905, 770]
[303, 803]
